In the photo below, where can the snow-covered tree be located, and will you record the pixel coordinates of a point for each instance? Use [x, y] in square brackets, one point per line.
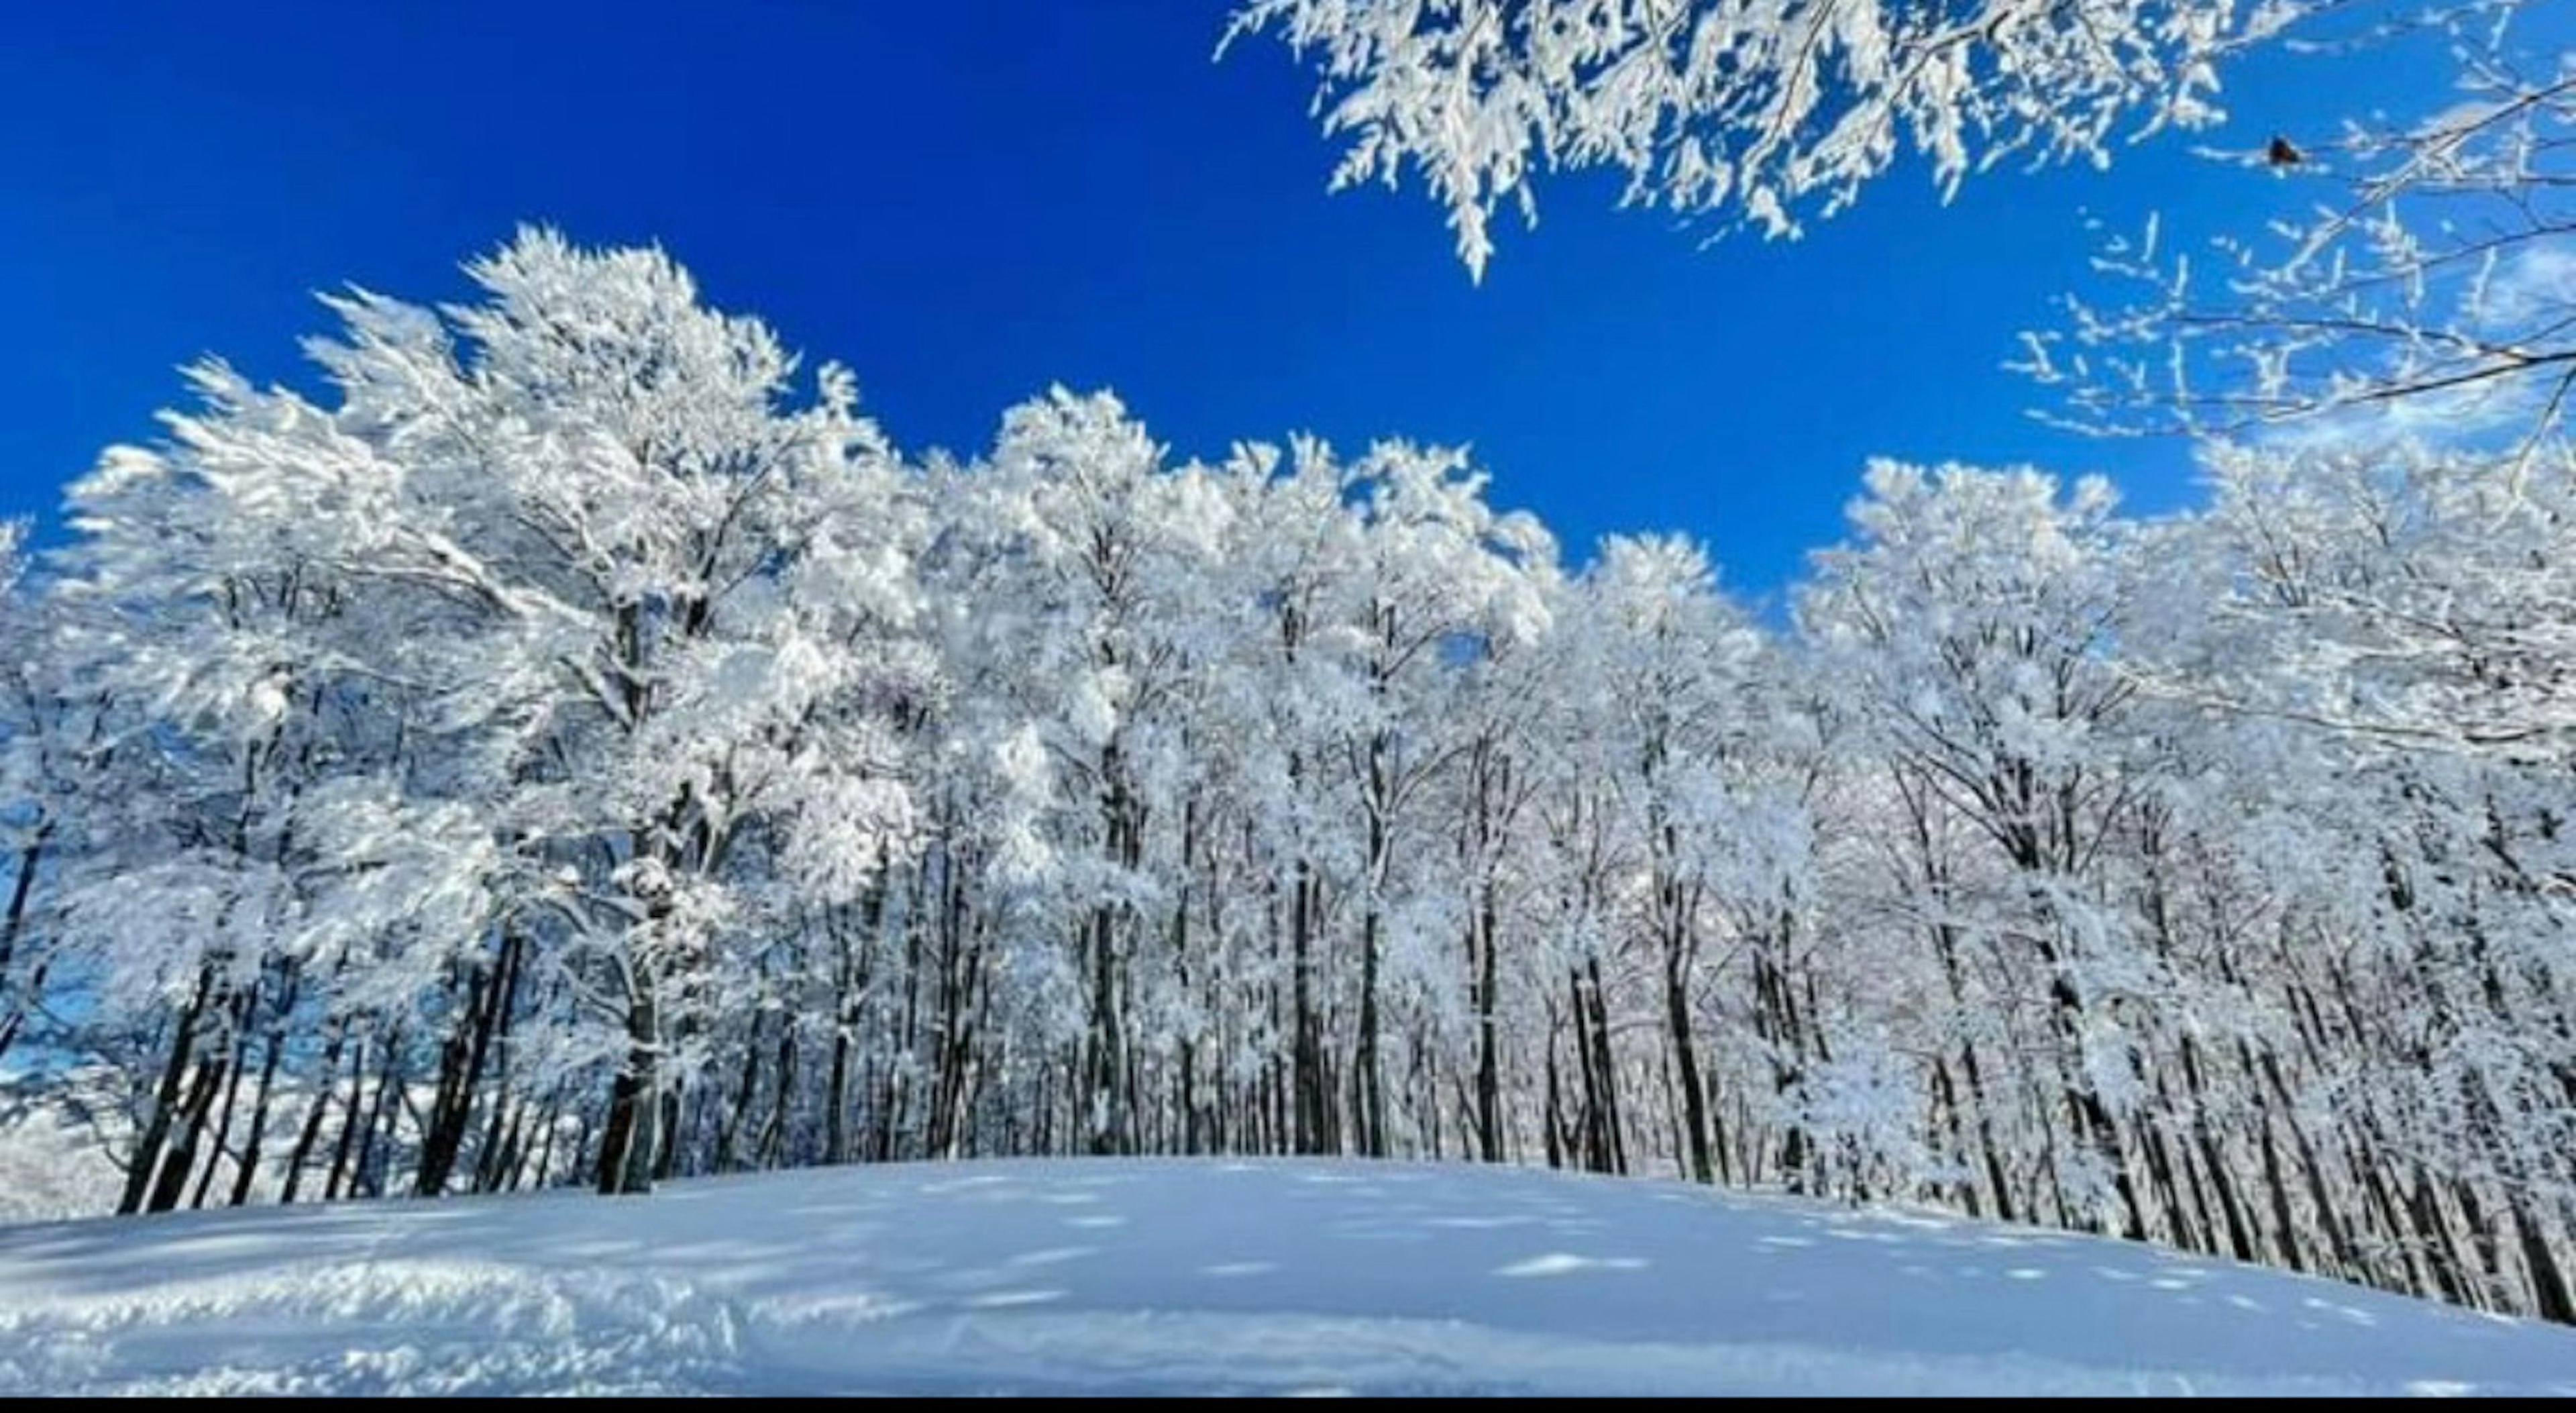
[611, 617]
[1975, 626]
[26, 826]
[2419, 280]
[1758, 112]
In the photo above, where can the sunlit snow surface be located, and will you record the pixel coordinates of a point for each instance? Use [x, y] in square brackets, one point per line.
[1172, 1277]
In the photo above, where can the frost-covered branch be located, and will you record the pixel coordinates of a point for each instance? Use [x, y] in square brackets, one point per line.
[1764, 113]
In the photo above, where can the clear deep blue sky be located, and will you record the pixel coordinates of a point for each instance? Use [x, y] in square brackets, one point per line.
[966, 200]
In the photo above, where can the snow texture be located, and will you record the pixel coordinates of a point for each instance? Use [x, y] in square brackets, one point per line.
[1141, 1277]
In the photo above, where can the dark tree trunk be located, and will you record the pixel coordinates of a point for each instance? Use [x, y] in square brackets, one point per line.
[629, 1144]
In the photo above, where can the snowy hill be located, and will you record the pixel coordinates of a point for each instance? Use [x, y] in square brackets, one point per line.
[1114, 1276]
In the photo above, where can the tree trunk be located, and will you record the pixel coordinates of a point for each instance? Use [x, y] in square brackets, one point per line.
[628, 1146]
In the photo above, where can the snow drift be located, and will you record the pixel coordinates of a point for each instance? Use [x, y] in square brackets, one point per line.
[1208, 1276]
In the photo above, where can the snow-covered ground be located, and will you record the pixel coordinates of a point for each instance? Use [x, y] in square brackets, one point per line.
[1157, 1277]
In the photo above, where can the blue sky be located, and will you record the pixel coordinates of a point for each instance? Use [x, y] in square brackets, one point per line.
[966, 200]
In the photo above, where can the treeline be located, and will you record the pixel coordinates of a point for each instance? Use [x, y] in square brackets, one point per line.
[566, 754]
